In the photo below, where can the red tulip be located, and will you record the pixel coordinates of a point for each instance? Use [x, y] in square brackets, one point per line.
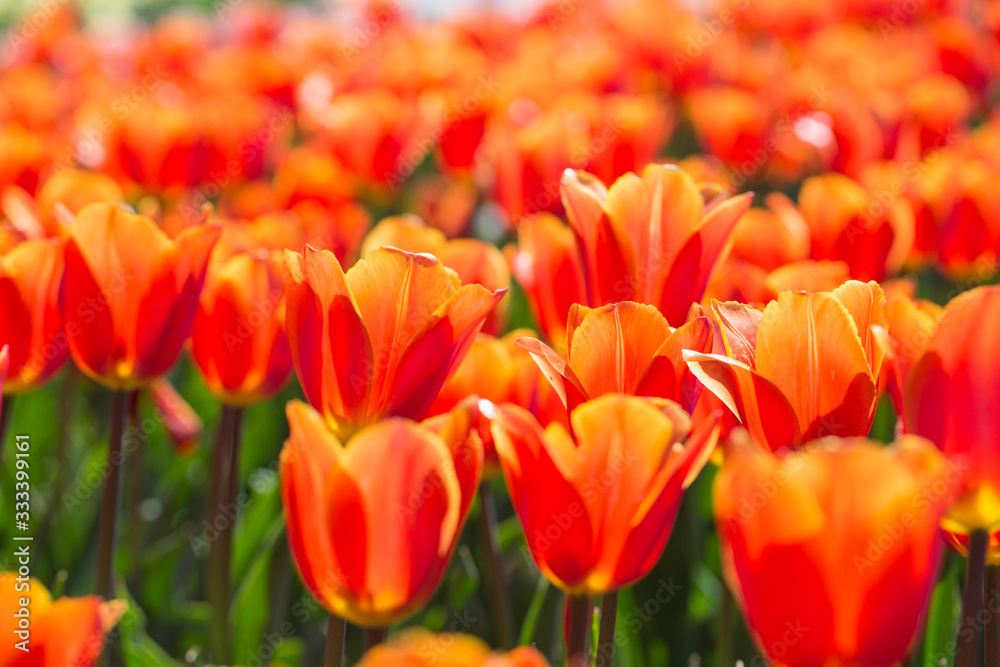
[130, 293]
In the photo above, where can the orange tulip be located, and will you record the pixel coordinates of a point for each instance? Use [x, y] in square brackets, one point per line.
[653, 239]
[416, 647]
[597, 511]
[32, 326]
[807, 367]
[624, 348]
[372, 525]
[952, 397]
[872, 232]
[473, 260]
[833, 550]
[382, 339]
[67, 631]
[238, 339]
[130, 293]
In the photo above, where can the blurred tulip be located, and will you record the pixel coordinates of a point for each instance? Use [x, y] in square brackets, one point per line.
[624, 348]
[832, 552]
[56, 633]
[382, 339]
[807, 367]
[32, 326]
[952, 397]
[238, 338]
[597, 511]
[372, 525]
[416, 647]
[130, 293]
[180, 421]
[873, 233]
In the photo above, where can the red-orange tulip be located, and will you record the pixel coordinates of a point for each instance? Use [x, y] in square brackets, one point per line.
[416, 647]
[624, 348]
[597, 511]
[847, 223]
[833, 550]
[238, 339]
[382, 339]
[952, 397]
[67, 631]
[31, 325]
[130, 293]
[807, 367]
[372, 525]
[654, 239]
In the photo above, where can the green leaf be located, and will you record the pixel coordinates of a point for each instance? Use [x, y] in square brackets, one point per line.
[942, 622]
[527, 634]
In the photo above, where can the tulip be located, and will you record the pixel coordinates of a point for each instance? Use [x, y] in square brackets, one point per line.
[419, 648]
[382, 339]
[807, 367]
[597, 511]
[130, 293]
[372, 525]
[238, 340]
[128, 301]
[653, 239]
[67, 631]
[847, 223]
[952, 397]
[473, 260]
[32, 326]
[623, 348]
[832, 551]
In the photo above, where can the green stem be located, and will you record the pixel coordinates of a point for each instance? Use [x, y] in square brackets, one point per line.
[107, 540]
[969, 630]
[218, 566]
[992, 622]
[606, 635]
[336, 631]
[724, 635]
[495, 577]
[374, 637]
[578, 622]
[6, 408]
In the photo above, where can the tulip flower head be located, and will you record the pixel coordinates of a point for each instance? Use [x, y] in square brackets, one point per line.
[238, 339]
[416, 647]
[381, 339]
[67, 631]
[952, 398]
[372, 525]
[130, 293]
[597, 511]
[32, 326]
[833, 551]
[623, 348]
[807, 367]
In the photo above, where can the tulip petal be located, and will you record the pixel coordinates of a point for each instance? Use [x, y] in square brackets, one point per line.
[698, 259]
[808, 346]
[555, 369]
[668, 375]
[309, 454]
[434, 355]
[759, 404]
[738, 324]
[866, 304]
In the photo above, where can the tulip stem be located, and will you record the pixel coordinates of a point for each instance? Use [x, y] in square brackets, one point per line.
[107, 540]
[992, 622]
[6, 408]
[724, 650]
[970, 630]
[578, 627]
[374, 637]
[336, 631]
[495, 577]
[606, 635]
[231, 507]
[218, 563]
